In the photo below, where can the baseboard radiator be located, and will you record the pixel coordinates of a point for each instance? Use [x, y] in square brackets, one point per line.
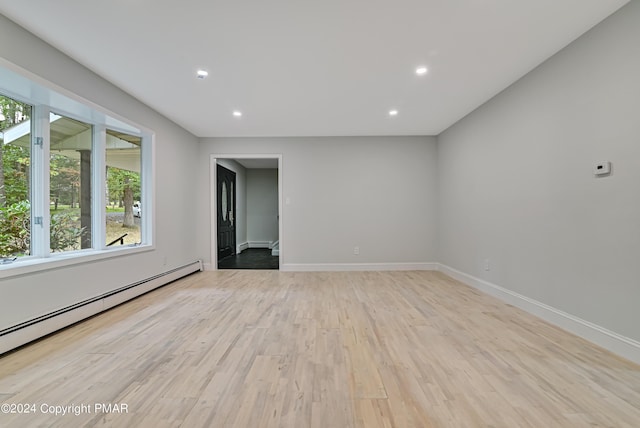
[28, 331]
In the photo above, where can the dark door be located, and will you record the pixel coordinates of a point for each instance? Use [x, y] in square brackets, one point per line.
[226, 212]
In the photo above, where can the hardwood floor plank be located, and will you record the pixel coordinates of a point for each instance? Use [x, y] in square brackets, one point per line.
[365, 377]
[344, 349]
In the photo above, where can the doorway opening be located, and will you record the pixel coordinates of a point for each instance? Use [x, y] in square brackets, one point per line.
[246, 202]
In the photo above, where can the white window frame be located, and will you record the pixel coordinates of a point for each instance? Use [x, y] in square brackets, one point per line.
[20, 85]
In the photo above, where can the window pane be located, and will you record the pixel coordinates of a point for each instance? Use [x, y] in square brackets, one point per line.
[70, 184]
[124, 194]
[15, 164]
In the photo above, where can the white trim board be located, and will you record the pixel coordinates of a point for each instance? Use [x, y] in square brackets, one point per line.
[344, 267]
[255, 244]
[614, 342]
[275, 249]
[260, 244]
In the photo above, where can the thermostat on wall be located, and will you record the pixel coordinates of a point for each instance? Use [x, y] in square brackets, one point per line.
[602, 168]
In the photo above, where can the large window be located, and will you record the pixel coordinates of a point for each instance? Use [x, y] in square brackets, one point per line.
[15, 168]
[71, 143]
[124, 189]
[73, 180]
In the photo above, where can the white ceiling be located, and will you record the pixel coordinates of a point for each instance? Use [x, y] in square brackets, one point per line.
[310, 68]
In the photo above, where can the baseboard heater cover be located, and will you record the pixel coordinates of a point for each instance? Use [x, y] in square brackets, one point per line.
[28, 331]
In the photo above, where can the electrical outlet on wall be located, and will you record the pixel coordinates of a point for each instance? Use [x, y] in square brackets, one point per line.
[602, 169]
[487, 265]
[356, 250]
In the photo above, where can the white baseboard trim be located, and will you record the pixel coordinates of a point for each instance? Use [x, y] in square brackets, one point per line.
[612, 341]
[256, 244]
[26, 332]
[207, 266]
[343, 267]
[260, 244]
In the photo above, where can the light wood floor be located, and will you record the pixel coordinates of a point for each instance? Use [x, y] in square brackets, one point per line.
[331, 350]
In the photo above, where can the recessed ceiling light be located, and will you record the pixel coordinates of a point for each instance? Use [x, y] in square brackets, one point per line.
[393, 112]
[201, 74]
[237, 113]
[422, 70]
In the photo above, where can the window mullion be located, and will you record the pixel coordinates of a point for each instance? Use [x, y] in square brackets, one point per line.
[147, 177]
[40, 222]
[99, 189]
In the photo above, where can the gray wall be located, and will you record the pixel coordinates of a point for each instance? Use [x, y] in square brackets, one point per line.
[377, 193]
[262, 205]
[516, 184]
[32, 295]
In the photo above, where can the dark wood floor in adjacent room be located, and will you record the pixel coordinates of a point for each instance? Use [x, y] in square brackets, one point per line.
[251, 258]
[351, 349]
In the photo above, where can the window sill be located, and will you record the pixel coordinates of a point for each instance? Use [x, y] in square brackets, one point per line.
[56, 261]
